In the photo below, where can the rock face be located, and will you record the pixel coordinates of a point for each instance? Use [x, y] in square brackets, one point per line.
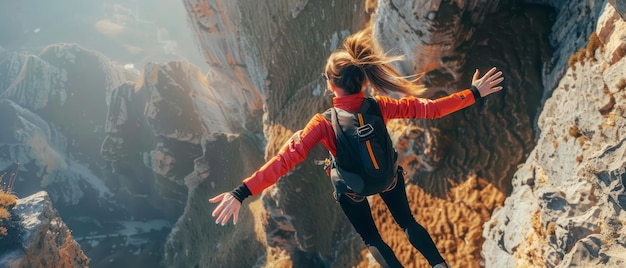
[124, 168]
[46, 241]
[39, 94]
[467, 141]
[175, 106]
[620, 7]
[434, 35]
[571, 187]
[196, 241]
[273, 55]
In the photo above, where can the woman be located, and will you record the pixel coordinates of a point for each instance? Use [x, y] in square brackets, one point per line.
[361, 62]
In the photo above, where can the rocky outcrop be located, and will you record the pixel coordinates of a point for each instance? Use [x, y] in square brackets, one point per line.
[620, 7]
[45, 241]
[571, 187]
[268, 47]
[39, 93]
[434, 36]
[574, 22]
[468, 141]
[196, 241]
[164, 117]
[218, 29]
[54, 116]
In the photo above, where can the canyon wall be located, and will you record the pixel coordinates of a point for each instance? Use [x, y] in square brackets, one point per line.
[571, 187]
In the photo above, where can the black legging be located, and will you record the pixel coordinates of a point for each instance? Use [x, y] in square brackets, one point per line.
[360, 216]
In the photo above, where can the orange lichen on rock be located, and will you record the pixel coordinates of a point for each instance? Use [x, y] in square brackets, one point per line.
[531, 252]
[455, 223]
[202, 9]
[54, 246]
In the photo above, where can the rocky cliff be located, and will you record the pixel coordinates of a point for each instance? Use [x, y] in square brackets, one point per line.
[45, 240]
[113, 145]
[571, 187]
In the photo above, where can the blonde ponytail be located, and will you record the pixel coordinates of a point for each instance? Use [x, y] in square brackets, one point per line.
[362, 60]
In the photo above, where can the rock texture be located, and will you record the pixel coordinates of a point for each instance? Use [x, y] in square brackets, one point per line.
[196, 241]
[467, 142]
[269, 48]
[75, 122]
[39, 93]
[571, 187]
[435, 36]
[46, 241]
[620, 7]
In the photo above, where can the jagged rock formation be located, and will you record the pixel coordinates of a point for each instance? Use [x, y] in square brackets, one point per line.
[110, 144]
[54, 110]
[571, 188]
[46, 241]
[266, 53]
[620, 7]
[39, 94]
[196, 241]
[164, 117]
[468, 141]
[435, 36]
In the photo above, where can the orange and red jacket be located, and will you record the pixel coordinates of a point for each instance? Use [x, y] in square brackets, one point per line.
[319, 129]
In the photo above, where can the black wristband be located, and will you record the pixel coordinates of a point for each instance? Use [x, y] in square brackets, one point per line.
[475, 92]
[240, 193]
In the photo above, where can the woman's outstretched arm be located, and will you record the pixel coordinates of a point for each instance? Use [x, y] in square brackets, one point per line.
[413, 107]
[294, 151]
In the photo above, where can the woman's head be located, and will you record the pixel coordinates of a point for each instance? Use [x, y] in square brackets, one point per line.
[361, 60]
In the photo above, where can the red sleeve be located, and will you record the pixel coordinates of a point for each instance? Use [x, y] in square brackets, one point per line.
[412, 107]
[294, 151]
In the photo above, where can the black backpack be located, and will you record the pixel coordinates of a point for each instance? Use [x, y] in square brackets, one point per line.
[365, 162]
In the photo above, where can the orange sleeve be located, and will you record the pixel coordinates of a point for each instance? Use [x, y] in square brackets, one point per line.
[412, 107]
[293, 152]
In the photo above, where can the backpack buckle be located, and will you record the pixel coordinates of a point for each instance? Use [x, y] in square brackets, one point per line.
[365, 131]
[327, 163]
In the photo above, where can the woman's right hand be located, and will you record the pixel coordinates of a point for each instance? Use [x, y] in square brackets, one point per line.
[488, 83]
[229, 206]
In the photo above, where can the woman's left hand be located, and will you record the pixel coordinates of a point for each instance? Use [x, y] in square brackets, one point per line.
[229, 206]
[489, 82]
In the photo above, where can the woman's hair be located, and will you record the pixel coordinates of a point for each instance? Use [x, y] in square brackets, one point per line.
[362, 60]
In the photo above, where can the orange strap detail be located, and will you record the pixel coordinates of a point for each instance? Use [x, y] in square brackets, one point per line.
[369, 146]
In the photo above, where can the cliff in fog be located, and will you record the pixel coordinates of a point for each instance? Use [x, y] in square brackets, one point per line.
[531, 176]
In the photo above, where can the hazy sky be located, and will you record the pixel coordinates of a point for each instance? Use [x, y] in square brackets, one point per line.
[127, 31]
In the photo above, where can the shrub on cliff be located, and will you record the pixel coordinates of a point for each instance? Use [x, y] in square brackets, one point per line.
[9, 231]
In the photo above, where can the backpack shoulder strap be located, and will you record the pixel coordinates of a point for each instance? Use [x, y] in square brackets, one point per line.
[370, 106]
[335, 122]
[331, 115]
